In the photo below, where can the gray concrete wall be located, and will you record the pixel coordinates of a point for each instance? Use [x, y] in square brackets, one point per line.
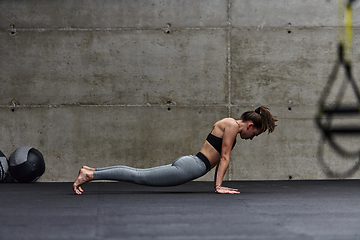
[140, 83]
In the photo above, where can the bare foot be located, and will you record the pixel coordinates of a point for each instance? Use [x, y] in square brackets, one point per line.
[89, 168]
[85, 175]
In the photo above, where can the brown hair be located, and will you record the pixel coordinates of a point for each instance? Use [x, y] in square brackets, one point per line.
[261, 118]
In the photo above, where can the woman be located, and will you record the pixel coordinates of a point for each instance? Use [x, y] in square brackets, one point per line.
[215, 152]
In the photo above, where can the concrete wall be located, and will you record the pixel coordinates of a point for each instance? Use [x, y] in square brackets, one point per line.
[140, 83]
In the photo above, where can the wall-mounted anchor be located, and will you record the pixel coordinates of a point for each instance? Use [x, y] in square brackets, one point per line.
[12, 29]
[167, 29]
[13, 103]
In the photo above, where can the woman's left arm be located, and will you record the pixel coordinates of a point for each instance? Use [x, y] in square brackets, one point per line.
[221, 189]
[229, 136]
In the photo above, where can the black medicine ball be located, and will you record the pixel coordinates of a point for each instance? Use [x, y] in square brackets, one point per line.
[26, 164]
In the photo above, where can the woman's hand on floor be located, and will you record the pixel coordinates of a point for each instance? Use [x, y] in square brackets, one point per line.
[226, 190]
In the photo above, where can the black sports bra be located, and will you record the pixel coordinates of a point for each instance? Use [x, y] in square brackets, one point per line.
[216, 142]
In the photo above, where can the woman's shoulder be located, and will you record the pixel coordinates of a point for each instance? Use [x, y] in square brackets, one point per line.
[220, 126]
[225, 122]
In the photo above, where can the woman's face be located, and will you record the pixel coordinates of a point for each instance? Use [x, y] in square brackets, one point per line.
[250, 132]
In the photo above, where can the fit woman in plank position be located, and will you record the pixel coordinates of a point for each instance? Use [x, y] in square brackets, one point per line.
[215, 152]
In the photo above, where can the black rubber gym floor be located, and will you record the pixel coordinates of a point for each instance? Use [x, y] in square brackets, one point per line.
[109, 210]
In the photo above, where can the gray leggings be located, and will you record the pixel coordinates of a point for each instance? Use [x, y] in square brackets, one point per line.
[183, 169]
